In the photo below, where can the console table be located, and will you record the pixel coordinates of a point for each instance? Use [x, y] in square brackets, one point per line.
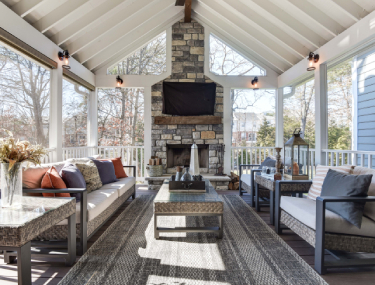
[18, 226]
[188, 204]
[288, 188]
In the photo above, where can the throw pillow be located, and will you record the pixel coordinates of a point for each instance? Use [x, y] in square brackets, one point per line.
[106, 171]
[320, 174]
[91, 175]
[341, 184]
[52, 180]
[32, 177]
[119, 169]
[268, 162]
[73, 178]
[369, 211]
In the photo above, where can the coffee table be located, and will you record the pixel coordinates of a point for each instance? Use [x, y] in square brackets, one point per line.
[188, 204]
[18, 226]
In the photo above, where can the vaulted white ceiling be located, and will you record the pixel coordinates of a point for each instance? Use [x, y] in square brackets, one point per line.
[278, 33]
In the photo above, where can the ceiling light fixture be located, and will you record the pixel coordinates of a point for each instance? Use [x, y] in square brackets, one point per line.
[254, 82]
[64, 57]
[313, 58]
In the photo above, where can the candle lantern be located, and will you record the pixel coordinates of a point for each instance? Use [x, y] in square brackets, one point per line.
[296, 157]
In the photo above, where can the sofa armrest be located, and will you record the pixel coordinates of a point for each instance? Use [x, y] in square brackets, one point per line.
[326, 199]
[134, 169]
[44, 190]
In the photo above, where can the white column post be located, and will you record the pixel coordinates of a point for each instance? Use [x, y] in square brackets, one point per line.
[147, 127]
[321, 121]
[55, 110]
[279, 118]
[227, 128]
[92, 122]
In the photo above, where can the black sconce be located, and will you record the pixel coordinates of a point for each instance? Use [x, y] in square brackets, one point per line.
[254, 82]
[64, 57]
[313, 58]
[119, 81]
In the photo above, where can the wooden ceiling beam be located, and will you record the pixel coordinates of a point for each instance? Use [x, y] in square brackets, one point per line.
[188, 11]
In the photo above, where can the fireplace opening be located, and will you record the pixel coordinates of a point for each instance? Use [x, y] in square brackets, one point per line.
[179, 155]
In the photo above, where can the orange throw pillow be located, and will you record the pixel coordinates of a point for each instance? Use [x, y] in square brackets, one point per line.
[52, 180]
[119, 169]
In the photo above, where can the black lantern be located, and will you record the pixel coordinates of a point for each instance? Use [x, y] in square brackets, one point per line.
[296, 158]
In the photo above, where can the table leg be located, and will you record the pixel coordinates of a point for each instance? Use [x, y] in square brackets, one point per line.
[221, 226]
[156, 232]
[272, 207]
[83, 225]
[257, 205]
[71, 240]
[24, 264]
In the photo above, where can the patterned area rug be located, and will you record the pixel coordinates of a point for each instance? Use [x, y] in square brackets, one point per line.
[249, 253]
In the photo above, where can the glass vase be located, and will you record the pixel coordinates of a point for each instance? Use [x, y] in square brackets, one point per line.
[186, 176]
[11, 185]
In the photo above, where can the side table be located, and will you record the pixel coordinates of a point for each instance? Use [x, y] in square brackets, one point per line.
[286, 188]
[18, 226]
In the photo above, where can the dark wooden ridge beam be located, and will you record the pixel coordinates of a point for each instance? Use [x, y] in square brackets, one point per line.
[180, 2]
[188, 120]
[188, 11]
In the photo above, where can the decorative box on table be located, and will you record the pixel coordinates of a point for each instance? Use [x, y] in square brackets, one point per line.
[192, 186]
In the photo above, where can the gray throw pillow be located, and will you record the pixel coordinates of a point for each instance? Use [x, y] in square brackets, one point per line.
[268, 162]
[340, 184]
[106, 171]
[73, 178]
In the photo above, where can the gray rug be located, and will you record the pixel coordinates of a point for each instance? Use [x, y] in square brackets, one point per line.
[249, 253]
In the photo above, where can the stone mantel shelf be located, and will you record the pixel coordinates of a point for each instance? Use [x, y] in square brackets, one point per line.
[188, 120]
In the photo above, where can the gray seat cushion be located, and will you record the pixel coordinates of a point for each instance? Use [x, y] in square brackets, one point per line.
[304, 210]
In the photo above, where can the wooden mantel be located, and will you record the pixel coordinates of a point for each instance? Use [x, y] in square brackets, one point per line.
[188, 120]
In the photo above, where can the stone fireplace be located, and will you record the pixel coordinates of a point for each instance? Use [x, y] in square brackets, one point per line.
[172, 142]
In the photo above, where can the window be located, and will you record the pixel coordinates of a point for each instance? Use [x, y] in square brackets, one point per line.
[299, 112]
[150, 59]
[226, 61]
[340, 106]
[255, 110]
[24, 97]
[75, 102]
[120, 117]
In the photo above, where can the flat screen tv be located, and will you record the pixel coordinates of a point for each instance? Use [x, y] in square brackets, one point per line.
[189, 99]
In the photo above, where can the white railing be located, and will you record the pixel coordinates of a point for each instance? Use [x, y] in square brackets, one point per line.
[131, 155]
[337, 157]
[49, 157]
[249, 155]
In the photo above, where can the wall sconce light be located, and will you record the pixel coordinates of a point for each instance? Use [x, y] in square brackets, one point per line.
[254, 82]
[313, 58]
[119, 81]
[64, 57]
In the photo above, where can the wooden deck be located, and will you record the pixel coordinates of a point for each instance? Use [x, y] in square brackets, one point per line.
[50, 271]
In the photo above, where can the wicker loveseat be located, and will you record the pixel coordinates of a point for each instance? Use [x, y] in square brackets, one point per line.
[98, 206]
[324, 229]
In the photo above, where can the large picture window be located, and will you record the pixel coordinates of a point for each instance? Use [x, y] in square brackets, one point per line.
[24, 97]
[120, 117]
[253, 122]
[75, 104]
[299, 111]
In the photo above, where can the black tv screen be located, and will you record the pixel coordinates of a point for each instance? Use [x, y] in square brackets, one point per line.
[189, 99]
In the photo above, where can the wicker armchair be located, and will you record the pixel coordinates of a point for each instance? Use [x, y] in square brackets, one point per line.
[322, 228]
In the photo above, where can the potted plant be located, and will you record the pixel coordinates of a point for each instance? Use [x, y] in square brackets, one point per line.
[12, 154]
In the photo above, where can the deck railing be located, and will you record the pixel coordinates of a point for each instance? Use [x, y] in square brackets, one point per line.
[335, 157]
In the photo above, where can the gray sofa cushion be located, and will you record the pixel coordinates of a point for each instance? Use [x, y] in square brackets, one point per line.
[340, 184]
[369, 211]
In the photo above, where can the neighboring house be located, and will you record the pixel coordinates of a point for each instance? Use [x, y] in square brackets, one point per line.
[245, 127]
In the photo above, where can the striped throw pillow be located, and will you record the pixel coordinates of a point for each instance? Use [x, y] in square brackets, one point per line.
[320, 175]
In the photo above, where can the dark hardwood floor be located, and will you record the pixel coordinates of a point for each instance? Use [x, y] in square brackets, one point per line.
[50, 271]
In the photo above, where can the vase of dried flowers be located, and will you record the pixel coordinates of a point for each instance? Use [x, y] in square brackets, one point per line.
[12, 154]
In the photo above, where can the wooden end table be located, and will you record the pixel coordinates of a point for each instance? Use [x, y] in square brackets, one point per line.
[188, 204]
[18, 226]
[268, 182]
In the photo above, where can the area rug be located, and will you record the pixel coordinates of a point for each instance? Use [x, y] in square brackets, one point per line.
[249, 253]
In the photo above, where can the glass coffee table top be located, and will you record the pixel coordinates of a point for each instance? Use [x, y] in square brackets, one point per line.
[31, 209]
[164, 196]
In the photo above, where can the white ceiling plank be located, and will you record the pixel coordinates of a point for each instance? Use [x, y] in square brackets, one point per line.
[236, 23]
[58, 15]
[319, 17]
[125, 27]
[132, 41]
[253, 18]
[283, 19]
[351, 9]
[98, 15]
[109, 25]
[368, 5]
[255, 46]
[24, 7]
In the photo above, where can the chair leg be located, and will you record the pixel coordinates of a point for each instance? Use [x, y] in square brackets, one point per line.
[257, 203]
[272, 207]
[277, 213]
[240, 188]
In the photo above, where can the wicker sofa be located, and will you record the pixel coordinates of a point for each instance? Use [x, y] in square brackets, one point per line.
[98, 206]
[324, 229]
